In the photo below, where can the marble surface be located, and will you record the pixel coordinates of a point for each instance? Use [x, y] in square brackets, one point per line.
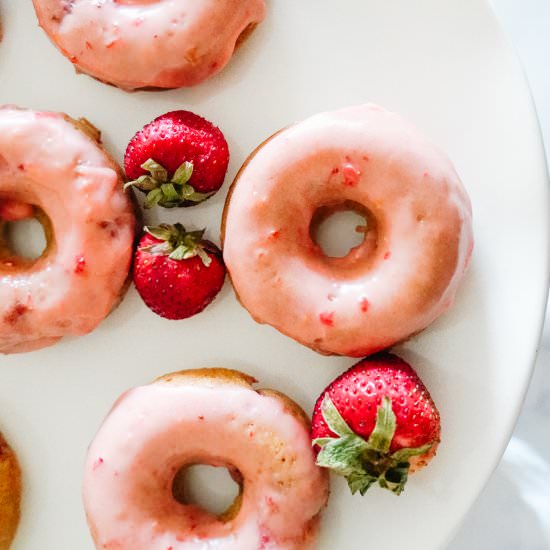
[513, 512]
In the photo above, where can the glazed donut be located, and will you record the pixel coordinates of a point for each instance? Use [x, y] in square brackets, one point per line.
[10, 494]
[52, 170]
[149, 43]
[417, 244]
[206, 416]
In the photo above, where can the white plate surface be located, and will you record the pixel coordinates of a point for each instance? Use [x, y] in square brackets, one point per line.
[445, 66]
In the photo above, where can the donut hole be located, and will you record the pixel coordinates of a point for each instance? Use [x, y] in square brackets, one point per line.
[339, 228]
[216, 489]
[26, 233]
[26, 239]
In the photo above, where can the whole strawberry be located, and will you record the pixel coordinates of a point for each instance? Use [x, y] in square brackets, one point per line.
[179, 159]
[376, 423]
[177, 272]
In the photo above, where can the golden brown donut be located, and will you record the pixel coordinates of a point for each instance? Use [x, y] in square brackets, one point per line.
[10, 494]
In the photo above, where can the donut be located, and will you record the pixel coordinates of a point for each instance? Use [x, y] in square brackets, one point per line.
[205, 416]
[136, 44]
[10, 494]
[51, 169]
[406, 271]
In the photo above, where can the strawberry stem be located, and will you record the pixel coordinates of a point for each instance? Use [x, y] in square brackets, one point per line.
[166, 192]
[179, 244]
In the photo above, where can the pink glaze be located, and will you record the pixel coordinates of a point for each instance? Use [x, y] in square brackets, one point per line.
[402, 277]
[148, 43]
[155, 430]
[12, 210]
[45, 161]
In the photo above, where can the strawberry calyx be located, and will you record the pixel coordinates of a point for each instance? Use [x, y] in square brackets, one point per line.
[179, 244]
[165, 191]
[365, 462]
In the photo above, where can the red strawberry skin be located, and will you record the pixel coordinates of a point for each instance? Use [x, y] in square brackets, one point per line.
[178, 137]
[358, 393]
[176, 289]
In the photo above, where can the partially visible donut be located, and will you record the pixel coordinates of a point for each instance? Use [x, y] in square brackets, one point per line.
[52, 168]
[206, 416]
[149, 43]
[10, 494]
[403, 275]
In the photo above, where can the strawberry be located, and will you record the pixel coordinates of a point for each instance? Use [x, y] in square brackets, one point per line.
[179, 159]
[177, 272]
[376, 423]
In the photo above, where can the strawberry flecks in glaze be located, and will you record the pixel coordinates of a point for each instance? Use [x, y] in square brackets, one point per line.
[364, 304]
[149, 44]
[97, 463]
[327, 318]
[138, 507]
[411, 286]
[12, 316]
[60, 161]
[351, 174]
[80, 265]
[271, 503]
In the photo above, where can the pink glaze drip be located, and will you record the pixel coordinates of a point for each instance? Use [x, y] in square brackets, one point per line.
[71, 288]
[410, 269]
[148, 43]
[153, 431]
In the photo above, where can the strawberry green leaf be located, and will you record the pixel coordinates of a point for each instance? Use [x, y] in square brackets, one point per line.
[174, 192]
[384, 430]
[183, 174]
[163, 232]
[169, 192]
[160, 249]
[334, 419]
[179, 253]
[321, 441]
[157, 171]
[343, 455]
[192, 236]
[145, 183]
[206, 260]
[395, 478]
[403, 455]
[153, 197]
[189, 194]
[361, 482]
